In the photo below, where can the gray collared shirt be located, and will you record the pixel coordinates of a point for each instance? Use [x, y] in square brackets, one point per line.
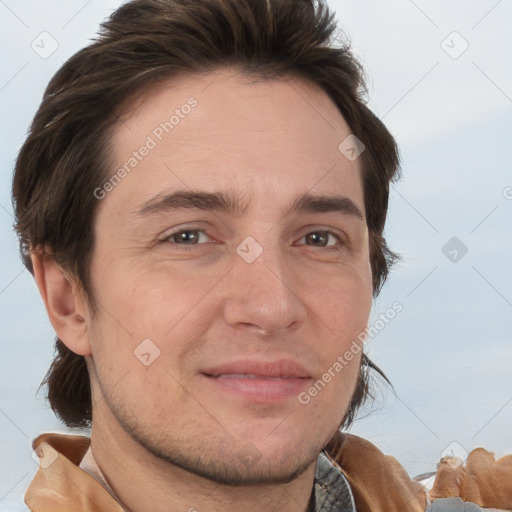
[332, 490]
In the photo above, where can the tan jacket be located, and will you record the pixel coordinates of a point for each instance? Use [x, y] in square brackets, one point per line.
[378, 482]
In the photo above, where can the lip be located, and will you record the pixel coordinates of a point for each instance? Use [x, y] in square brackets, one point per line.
[279, 369]
[259, 381]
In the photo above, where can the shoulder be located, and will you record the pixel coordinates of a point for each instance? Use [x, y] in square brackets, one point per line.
[380, 483]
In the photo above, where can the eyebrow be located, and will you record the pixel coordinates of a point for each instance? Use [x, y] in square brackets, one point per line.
[230, 202]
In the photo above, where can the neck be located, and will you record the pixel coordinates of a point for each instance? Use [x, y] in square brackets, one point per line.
[141, 481]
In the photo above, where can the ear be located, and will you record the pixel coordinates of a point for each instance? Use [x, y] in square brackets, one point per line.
[64, 303]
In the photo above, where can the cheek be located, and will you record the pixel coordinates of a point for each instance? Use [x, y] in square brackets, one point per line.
[328, 398]
[151, 302]
[342, 301]
[135, 370]
[343, 311]
[341, 293]
[152, 317]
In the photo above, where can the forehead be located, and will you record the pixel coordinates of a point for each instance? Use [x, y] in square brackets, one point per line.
[226, 130]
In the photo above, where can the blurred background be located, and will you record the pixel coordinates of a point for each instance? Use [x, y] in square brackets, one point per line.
[440, 76]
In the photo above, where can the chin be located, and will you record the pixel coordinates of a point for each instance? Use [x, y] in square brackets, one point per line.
[227, 462]
[241, 470]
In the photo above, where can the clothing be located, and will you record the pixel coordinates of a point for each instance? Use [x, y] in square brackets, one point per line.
[352, 475]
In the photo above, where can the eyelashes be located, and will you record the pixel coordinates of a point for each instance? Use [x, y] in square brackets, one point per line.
[182, 239]
[325, 233]
[171, 238]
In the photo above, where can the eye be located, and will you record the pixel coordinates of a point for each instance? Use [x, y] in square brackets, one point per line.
[321, 238]
[186, 237]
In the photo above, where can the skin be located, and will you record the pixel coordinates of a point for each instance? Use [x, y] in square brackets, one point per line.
[175, 434]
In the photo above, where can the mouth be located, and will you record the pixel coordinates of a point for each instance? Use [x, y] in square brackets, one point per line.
[259, 381]
[249, 376]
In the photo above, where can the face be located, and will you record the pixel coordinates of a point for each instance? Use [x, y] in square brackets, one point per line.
[231, 272]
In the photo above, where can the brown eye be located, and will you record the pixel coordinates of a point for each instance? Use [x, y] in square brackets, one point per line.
[321, 238]
[187, 237]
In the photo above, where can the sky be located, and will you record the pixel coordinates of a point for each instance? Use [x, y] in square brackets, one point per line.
[440, 76]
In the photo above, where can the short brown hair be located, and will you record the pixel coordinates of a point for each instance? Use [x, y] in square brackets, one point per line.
[147, 41]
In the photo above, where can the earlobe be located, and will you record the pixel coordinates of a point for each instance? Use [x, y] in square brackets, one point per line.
[66, 310]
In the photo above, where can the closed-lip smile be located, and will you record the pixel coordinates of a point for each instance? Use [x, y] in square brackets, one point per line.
[259, 381]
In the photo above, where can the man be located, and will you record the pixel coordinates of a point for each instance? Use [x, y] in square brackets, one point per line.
[201, 200]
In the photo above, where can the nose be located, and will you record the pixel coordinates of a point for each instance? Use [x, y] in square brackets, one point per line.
[263, 296]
